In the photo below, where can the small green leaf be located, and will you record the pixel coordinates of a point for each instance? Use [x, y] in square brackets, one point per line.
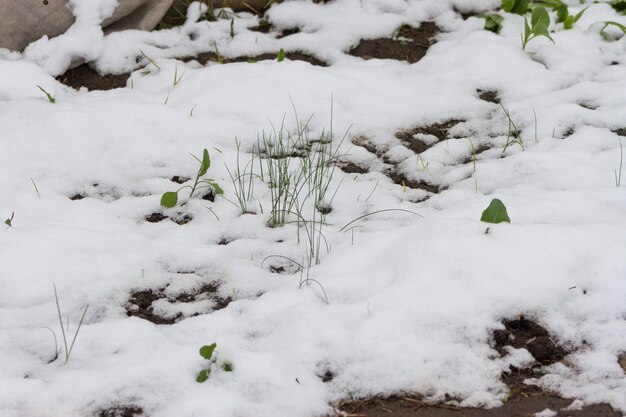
[561, 12]
[516, 6]
[539, 21]
[51, 99]
[203, 375]
[205, 164]
[169, 199]
[495, 213]
[608, 37]
[8, 222]
[217, 188]
[619, 5]
[227, 366]
[206, 351]
[281, 55]
[493, 22]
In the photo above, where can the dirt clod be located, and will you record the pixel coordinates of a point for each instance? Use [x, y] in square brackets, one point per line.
[438, 130]
[526, 334]
[156, 217]
[490, 96]
[140, 303]
[121, 411]
[408, 44]
[85, 76]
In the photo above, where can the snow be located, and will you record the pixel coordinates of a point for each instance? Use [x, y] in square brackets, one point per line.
[412, 300]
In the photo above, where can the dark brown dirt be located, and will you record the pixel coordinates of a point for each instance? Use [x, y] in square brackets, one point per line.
[76, 197]
[179, 179]
[439, 130]
[140, 302]
[401, 179]
[408, 406]
[409, 44]
[352, 168]
[179, 218]
[156, 217]
[490, 96]
[523, 333]
[207, 57]
[85, 76]
[121, 411]
[620, 132]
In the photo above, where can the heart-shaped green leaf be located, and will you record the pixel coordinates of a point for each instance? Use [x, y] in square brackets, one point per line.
[203, 375]
[169, 199]
[206, 351]
[515, 6]
[495, 213]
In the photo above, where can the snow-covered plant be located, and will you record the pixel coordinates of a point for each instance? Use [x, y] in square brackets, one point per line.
[539, 23]
[243, 180]
[170, 198]
[68, 351]
[562, 12]
[207, 352]
[493, 22]
[516, 6]
[49, 96]
[619, 5]
[9, 221]
[608, 37]
[513, 135]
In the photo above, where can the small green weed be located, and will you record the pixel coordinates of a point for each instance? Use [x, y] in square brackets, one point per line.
[281, 55]
[493, 22]
[50, 97]
[539, 24]
[9, 221]
[207, 352]
[516, 6]
[68, 352]
[514, 135]
[495, 213]
[606, 35]
[170, 198]
[619, 5]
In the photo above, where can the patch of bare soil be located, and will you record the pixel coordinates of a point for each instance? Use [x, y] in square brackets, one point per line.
[207, 57]
[121, 411]
[489, 96]
[408, 406]
[180, 218]
[85, 76]
[140, 303]
[410, 138]
[524, 400]
[408, 44]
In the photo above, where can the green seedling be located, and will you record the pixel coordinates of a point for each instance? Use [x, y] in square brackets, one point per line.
[150, 60]
[170, 198]
[493, 22]
[217, 53]
[68, 351]
[50, 97]
[281, 55]
[569, 21]
[618, 5]
[539, 23]
[9, 221]
[207, 352]
[608, 37]
[562, 12]
[514, 135]
[516, 6]
[495, 213]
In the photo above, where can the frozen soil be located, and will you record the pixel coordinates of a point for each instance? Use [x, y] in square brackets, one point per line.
[415, 308]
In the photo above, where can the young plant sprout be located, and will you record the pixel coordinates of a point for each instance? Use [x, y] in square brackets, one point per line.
[170, 198]
[539, 23]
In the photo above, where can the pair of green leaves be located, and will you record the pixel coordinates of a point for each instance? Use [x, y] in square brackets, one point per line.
[539, 24]
[170, 198]
[206, 352]
[562, 12]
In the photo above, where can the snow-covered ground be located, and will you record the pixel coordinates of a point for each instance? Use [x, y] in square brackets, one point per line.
[400, 303]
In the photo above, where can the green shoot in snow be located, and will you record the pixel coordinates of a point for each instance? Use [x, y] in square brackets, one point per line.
[539, 23]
